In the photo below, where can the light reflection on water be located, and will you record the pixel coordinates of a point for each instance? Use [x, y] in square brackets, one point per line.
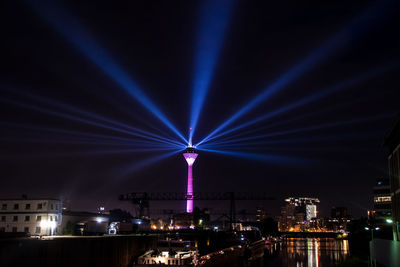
[308, 252]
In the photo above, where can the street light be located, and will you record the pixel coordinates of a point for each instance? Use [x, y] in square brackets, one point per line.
[372, 252]
[396, 234]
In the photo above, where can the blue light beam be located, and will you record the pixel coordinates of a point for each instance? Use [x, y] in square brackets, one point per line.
[89, 122]
[74, 32]
[270, 158]
[81, 112]
[214, 18]
[306, 100]
[356, 29]
[130, 168]
[311, 128]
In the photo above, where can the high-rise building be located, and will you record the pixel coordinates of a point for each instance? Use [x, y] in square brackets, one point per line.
[260, 214]
[392, 142]
[298, 214]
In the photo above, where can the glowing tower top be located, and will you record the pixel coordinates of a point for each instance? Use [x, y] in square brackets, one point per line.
[190, 157]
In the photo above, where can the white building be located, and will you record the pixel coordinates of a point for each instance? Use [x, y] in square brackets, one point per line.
[33, 216]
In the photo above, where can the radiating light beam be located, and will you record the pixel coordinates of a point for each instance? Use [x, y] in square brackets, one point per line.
[74, 32]
[270, 158]
[135, 166]
[214, 19]
[312, 128]
[82, 112]
[255, 145]
[82, 120]
[356, 29]
[306, 100]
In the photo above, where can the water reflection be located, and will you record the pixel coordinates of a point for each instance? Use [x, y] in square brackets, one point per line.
[308, 252]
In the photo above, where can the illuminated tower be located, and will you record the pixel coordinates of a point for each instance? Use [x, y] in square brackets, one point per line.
[190, 156]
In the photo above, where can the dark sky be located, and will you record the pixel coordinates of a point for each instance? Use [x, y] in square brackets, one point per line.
[155, 43]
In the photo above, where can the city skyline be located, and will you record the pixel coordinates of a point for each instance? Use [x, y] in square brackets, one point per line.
[290, 100]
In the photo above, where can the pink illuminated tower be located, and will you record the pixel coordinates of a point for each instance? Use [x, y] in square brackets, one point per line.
[190, 156]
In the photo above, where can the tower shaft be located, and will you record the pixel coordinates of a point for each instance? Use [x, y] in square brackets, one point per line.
[189, 192]
[190, 156]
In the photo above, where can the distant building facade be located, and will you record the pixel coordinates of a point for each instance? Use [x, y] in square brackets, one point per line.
[382, 202]
[392, 142]
[338, 220]
[84, 223]
[260, 214]
[32, 216]
[299, 214]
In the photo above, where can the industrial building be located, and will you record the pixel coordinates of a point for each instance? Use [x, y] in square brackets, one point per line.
[30, 216]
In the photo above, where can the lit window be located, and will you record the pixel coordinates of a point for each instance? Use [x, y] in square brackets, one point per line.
[382, 199]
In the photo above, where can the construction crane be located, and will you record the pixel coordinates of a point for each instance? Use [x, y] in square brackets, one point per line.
[142, 199]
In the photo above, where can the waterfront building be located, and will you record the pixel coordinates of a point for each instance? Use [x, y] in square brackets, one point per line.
[392, 142]
[382, 202]
[338, 220]
[298, 214]
[31, 216]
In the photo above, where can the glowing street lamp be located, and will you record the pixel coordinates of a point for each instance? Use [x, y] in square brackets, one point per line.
[372, 252]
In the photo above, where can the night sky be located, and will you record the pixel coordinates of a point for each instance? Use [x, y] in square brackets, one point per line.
[47, 152]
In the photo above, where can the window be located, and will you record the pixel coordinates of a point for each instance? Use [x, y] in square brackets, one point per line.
[16, 206]
[27, 206]
[55, 218]
[14, 229]
[3, 218]
[39, 206]
[38, 218]
[51, 206]
[4, 206]
[383, 199]
[27, 218]
[37, 230]
[2, 229]
[15, 219]
[26, 229]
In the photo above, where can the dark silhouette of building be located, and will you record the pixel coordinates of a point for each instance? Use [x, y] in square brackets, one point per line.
[382, 203]
[392, 142]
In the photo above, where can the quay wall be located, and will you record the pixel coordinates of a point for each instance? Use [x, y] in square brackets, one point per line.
[108, 251]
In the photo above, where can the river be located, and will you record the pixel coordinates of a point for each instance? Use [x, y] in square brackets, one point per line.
[307, 252]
